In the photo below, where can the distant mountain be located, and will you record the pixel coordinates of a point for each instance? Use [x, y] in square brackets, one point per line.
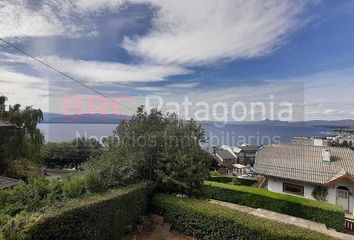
[84, 118]
[312, 123]
[116, 118]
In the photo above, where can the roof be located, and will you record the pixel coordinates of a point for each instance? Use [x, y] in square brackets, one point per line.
[249, 148]
[303, 163]
[239, 166]
[6, 182]
[224, 154]
[7, 125]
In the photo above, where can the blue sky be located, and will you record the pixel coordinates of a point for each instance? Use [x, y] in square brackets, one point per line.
[209, 51]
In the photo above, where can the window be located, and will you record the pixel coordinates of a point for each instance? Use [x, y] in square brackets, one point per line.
[293, 189]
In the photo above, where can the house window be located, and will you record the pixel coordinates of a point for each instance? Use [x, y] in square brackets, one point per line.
[293, 189]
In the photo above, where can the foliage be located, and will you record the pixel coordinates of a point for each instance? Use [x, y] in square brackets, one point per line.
[104, 216]
[233, 180]
[22, 169]
[69, 154]
[320, 193]
[221, 179]
[73, 187]
[94, 183]
[243, 181]
[26, 142]
[331, 215]
[156, 147]
[208, 221]
[214, 173]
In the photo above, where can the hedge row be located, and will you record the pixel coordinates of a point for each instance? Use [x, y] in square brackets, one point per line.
[331, 215]
[103, 216]
[204, 220]
[221, 179]
[233, 180]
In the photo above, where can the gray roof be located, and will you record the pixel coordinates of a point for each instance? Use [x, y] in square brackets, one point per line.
[249, 148]
[224, 154]
[303, 163]
[6, 182]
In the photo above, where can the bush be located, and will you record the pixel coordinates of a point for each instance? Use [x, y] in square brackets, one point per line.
[221, 179]
[331, 215]
[104, 216]
[22, 169]
[208, 221]
[73, 187]
[94, 183]
[243, 181]
[233, 180]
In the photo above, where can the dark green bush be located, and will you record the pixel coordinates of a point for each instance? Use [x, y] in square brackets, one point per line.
[331, 215]
[73, 187]
[94, 183]
[233, 180]
[103, 216]
[243, 181]
[208, 221]
[221, 179]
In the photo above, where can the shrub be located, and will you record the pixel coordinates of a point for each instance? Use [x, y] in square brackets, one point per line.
[208, 221]
[94, 183]
[243, 181]
[56, 190]
[233, 180]
[73, 187]
[221, 179]
[331, 215]
[29, 197]
[214, 173]
[104, 216]
[22, 169]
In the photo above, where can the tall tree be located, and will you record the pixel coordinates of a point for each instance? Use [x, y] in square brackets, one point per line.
[158, 147]
[26, 142]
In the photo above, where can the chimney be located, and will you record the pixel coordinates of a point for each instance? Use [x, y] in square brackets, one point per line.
[214, 150]
[326, 155]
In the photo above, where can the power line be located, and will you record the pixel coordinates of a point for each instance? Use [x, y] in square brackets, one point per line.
[64, 74]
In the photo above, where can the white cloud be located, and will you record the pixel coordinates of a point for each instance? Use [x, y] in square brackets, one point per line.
[24, 89]
[98, 72]
[206, 31]
[25, 18]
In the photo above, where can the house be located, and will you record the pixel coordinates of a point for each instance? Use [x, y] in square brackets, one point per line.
[302, 170]
[225, 160]
[310, 141]
[6, 182]
[245, 154]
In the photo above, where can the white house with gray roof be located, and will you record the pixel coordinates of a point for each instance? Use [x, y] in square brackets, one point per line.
[298, 169]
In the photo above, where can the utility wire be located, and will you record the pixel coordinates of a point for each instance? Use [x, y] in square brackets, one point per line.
[64, 74]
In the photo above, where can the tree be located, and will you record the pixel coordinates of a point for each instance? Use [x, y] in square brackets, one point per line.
[26, 142]
[157, 147]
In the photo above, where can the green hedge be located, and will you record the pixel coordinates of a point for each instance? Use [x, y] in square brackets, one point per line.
[221, 179]
[104, 216]
[233, 180]
[331, 215]
[204, 220]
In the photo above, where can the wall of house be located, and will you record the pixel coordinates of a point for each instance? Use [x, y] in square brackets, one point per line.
[276, 185]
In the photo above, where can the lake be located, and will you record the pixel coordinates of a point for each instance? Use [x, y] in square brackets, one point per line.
[230, 134]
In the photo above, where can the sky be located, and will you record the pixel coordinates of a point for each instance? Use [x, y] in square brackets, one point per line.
[158, 53]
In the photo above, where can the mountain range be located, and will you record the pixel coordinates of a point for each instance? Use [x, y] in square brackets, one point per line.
[116, 118]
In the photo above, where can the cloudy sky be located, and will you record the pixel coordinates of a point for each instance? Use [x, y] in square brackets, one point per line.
[209, 51]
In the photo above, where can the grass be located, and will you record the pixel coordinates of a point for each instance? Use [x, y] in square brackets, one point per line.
[277, 196]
